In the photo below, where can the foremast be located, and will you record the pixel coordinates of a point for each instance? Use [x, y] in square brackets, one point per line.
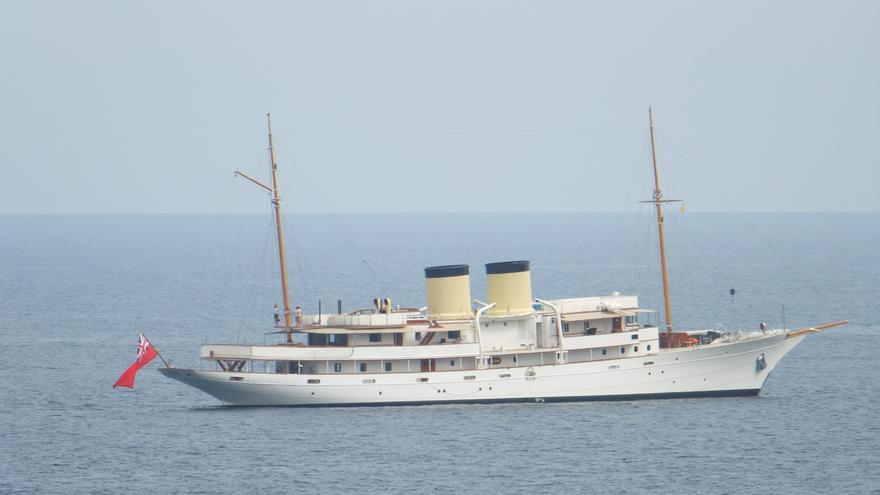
[658, 203]
[276, 201]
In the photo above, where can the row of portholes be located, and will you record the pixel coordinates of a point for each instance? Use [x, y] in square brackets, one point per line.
[623, 350]
[362, 367]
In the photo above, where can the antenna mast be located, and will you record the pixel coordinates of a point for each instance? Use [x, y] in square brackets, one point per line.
[276, 200]
[658, 202]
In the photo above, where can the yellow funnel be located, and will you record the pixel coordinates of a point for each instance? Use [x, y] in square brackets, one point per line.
[449, 292]
[510, 287]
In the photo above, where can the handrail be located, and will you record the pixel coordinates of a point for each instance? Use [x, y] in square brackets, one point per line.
[486, 307]
[558, 326]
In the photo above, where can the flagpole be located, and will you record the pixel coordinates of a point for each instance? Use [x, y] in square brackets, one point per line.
[157, 351]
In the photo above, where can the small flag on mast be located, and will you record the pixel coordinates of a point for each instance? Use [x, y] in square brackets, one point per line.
[145, 353]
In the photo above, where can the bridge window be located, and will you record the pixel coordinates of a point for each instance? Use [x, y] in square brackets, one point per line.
[375, 337]
[455, 334]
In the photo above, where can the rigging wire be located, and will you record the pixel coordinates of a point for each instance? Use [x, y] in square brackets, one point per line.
[262, 274]
[627, 198]
[738, 214]
[306, 275]
[742, 218]
[234, 255]
[713, 267]
[638, 176]
[333, 218]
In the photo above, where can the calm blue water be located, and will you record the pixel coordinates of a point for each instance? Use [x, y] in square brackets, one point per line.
[75, 290]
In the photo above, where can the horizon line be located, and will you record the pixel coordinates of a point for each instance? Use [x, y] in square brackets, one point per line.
[512, 212]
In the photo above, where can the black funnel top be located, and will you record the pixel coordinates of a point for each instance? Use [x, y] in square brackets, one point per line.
[446, 271]
[507, 267]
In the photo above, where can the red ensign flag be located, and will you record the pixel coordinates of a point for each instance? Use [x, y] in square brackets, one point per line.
[146, 353]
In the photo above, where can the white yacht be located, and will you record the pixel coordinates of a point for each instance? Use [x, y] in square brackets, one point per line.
[513, 347]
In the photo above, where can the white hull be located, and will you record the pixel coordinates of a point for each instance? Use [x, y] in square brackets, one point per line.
[718, 369]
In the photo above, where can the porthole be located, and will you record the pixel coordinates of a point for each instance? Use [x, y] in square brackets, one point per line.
[604, 352]
[452, 362]
[623, 350]
[635, 348]
[649, 347]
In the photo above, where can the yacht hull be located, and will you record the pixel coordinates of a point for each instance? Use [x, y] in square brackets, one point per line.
[719, 369]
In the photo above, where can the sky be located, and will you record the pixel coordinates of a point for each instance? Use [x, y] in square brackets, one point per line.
[428, 106]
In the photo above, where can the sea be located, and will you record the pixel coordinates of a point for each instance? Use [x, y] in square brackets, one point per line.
[75, 290]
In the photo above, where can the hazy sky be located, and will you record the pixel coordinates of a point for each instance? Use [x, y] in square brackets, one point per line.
[415, 106]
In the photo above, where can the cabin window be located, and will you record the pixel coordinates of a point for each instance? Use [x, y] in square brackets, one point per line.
[455, 334]
[387, 366]
[451, 363]
[635, 348]
[649, 347]
[337, 367]
[375, 337]
[363, 367]
[623, 350]
[337, 340]
[418, 336]
[604, 351]
[632, 320]
[515, 359]
[564, 327]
